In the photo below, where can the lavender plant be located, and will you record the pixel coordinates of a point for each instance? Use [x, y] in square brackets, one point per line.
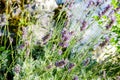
[38, 41]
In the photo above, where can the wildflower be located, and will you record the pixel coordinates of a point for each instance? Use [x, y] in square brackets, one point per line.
[117, 9]
[75, 78]
[64, 44]
[98, 2]
[66, 36]
[17, 68]
[61, 63]
[106, 9]
[71, 3]
[90, 3]
[84, 25]
[46, 38]
[71, 65]
[111, 23]
[111, 12]
[104, 42]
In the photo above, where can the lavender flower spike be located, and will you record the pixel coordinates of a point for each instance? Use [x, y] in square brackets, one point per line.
[84, 25]
[61, 63]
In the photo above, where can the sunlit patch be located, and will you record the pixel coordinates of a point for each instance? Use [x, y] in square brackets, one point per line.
[100, 54]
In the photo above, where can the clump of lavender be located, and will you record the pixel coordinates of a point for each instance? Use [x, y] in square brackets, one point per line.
[117, 9]
[66, 37]
[105, 10]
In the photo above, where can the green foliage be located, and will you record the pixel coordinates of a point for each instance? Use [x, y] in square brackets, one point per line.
[116, 29]
[43, 61]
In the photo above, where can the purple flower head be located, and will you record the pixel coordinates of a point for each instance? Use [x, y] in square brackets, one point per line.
[107, 39]
[46, 38]
[117, 9]
[111, 23]
[61, 63]
[91, 2]
[61, 44]
[71, 65]
[98, 2]
[106, 9]
[71, 33]
[104, 42]
[66, 37]
[111, 13]
[64, 31]
[64, 44]
[84, 25]
[70, 3]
